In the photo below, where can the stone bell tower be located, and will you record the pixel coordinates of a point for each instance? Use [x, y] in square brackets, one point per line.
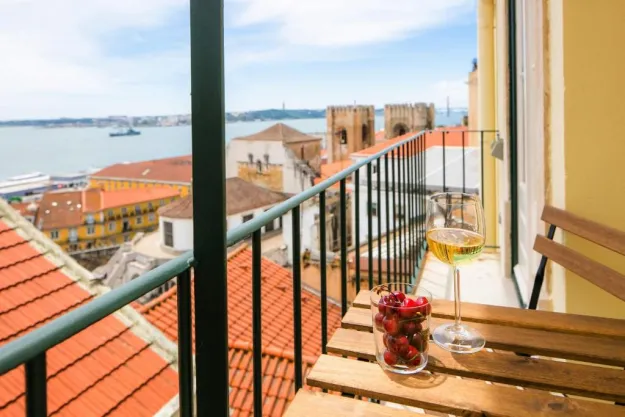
[400, 119]
[350, 129]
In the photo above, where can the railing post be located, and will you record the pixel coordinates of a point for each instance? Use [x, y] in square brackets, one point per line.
[36, 380]
[257, 346]
[357, 231]
[209, 225]
[323, 272]
[185, 351]
[379, 215]
[297, 297]
[388, 223]
[344, 244]
[369, 228]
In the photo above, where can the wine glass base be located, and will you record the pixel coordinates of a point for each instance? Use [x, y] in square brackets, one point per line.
[458, 339]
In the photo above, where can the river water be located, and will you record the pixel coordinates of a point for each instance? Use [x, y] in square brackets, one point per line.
[65, 150]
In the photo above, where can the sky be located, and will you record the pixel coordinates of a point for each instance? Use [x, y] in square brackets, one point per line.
[95, 58]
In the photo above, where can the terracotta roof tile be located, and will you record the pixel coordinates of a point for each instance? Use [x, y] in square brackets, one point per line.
[454, 136]
[277, 330]
[104, 368]
[176, 170]
[66, 208]
[280, 132]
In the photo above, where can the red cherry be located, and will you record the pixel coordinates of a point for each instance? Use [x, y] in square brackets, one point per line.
[408, 309]
[379, 318]
[382, 305]
[401, 344]
[417, 341]
[416, 361]
[425, 306]
[399, 296]
[390, 358]
[409, 327]
[391, 325]
[410, 353]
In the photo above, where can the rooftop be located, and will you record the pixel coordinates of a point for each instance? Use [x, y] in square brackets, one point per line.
[280, 133]
[59, 209]
[170, 170]
[120, 366]
[277, 330]
[241, 196]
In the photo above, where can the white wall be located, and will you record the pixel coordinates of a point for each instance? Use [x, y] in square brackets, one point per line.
[294, 179]
[235, 220]
[238, 151]
[308, 230]
[182, 231]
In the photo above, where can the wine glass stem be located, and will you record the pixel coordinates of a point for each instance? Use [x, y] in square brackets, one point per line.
[456, 273]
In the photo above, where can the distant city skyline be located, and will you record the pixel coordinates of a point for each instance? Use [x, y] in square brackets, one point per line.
[116, 57]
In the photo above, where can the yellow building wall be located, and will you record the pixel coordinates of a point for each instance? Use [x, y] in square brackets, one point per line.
[594, 90]
[102, 236]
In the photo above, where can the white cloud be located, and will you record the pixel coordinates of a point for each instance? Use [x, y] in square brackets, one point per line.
[53, 52]
[336, 23]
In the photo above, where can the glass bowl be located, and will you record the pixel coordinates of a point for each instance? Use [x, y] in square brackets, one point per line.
[401, 326]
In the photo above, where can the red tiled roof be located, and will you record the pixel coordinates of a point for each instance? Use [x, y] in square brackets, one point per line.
[454, 136]
[104, 370]
[176, 169]
[65, 208]
[277, 329]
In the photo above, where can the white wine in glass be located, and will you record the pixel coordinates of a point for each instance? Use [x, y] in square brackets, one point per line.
[456, 235]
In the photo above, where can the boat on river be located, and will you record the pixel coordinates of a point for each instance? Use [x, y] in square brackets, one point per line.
[128, 132]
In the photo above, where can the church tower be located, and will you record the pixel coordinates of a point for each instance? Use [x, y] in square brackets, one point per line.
[400, 119]
[350, 129]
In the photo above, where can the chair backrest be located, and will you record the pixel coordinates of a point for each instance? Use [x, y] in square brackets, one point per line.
[589, 269]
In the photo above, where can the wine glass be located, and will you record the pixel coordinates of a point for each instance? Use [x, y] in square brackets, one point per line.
[455, 234]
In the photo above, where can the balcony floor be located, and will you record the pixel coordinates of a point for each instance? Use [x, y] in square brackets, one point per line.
[480, 282]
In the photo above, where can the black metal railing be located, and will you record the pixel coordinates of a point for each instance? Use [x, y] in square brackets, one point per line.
[402, 233]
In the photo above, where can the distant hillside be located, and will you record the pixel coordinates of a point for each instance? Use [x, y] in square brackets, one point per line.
[274, 114]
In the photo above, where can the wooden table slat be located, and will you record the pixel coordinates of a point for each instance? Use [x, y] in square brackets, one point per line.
[307, 403]
[448, 394]
[534, 342]
[518, 317]
[568, 378]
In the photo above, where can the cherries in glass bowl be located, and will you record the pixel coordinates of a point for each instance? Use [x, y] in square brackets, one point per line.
[401, 326]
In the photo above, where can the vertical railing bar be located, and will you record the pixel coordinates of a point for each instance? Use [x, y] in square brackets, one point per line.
[379, 213]
[323, 271]
[344, 244]
[400, 226]
[369, 228]
[423, 186]
[393, 161]
[357, 231]
[482, 165]
[444, 164]
[388, 222]
[406, 211]
[256, 323]
[464, 187]
[410, 209]
[36, 386]
[297, 297]
[185, 347]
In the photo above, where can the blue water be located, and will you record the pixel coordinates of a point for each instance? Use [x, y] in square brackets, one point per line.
[65, 150]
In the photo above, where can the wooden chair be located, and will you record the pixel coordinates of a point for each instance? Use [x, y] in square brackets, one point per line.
[589, 269]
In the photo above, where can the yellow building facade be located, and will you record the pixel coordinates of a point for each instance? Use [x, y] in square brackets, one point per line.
[566, 118]
[114, 184]
[94, 219]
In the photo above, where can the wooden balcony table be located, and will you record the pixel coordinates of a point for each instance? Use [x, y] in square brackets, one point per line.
[536, 363]
[487, 383]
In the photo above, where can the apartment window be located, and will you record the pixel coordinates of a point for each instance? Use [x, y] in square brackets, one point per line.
[168, 234]
[259, 167]
[112, 227]
[250, 158]
[54, 234]
[110, 213]
[151, 217]
[343, 136]
[161, 203]
[139, 219]
[124, 211]
[90, 230]
[248, 217]
[138, 208]
[150, 206]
